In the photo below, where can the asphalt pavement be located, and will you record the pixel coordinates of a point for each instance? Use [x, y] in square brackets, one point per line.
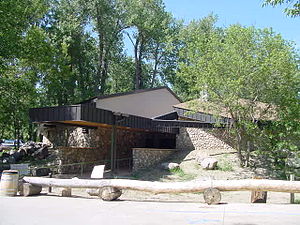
[53, 210]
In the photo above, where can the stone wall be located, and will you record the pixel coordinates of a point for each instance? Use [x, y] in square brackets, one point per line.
[207, 140]
[147, 157]
[81, 145]
[74, 145]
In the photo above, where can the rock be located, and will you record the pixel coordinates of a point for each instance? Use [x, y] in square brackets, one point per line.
[209, 163]
[110, 193]
[17, 156]
[10, 160]
[41, 153]
[41, 172]
[12, 151]
[169, 166]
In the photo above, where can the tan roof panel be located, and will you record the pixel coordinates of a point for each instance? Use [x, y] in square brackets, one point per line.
[261, 111]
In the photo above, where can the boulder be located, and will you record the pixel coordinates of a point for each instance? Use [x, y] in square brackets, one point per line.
[169, 166]
[41, 153]
[209, 163]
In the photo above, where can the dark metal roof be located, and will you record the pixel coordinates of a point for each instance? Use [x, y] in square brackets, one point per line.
[182, 123]
[78, 114]
[89, 113]
[129, 93]
[201, 117]
[168, 116]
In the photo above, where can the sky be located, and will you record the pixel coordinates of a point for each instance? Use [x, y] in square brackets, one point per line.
[244, 12]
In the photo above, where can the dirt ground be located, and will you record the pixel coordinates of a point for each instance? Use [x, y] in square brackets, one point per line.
[189, 170]
[227, 197]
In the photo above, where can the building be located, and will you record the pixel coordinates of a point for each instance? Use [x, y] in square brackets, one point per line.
[132, 130]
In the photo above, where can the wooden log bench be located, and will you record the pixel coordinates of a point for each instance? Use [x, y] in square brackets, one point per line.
[214, 186]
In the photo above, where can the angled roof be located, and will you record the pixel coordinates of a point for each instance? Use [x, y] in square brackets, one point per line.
[262, 111]
[130, 93]
[147, 103]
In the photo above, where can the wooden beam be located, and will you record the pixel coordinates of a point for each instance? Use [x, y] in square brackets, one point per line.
[172, 187]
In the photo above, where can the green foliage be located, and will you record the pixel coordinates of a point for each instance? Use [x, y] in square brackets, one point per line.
[181, 174]
[297, 201]
[224, 164]
[292, 10]
[62, 52]
[238, 68]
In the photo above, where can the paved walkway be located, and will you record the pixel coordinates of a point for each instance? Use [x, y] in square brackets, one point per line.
[52, 210]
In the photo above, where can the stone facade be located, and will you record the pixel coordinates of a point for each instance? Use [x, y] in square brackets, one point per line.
[75, 145]
[147, 157]
[83, 145]
[207, 140]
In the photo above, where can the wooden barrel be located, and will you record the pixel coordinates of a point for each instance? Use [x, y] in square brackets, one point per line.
[9, 183]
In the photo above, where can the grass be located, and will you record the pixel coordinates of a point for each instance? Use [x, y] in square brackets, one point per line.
[4, 151]
[181, 174]
[224, 164]
[297, 201]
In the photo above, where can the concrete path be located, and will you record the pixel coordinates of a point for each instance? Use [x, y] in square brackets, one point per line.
[52, 210]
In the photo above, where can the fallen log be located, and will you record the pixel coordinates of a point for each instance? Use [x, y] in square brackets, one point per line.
[172, 187]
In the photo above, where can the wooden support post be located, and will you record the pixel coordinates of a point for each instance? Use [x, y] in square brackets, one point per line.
[113, 146]
[30, 189]
[66, 192]
[292, 195]
[50, 188]
[81, 169]
[258, 196]
[212, 196]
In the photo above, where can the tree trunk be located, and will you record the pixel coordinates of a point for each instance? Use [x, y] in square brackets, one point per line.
[156, 62]
[138, 55]
[172, 187]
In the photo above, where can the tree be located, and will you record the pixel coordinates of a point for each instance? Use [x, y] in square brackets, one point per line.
[105, 19]
[70, 72]
[149, 24]
[196, 33]
[292, 11]
[238, 68]
[22, 43]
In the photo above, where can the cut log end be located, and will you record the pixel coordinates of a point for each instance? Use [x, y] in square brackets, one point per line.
[66, 192]
[212, 196]
[110, 193]
[258, 197]
[30, 189]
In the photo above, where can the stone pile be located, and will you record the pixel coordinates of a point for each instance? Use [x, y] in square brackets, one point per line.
[36, 150]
